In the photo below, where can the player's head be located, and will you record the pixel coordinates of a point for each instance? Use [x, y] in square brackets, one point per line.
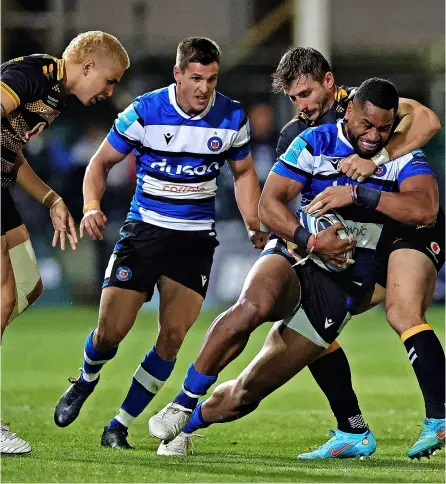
[305, 76]
[196, 72]
[95, 61]
[370, 116]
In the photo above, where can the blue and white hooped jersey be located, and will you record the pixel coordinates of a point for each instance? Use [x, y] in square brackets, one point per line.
[312, 159]
[178, 156]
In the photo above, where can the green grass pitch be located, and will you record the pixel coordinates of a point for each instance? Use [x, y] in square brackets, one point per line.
[44, 347]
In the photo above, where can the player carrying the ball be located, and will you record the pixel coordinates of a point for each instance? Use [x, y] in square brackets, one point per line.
[309, 166]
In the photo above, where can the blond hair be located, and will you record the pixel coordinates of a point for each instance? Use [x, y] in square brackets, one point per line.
[93, 42]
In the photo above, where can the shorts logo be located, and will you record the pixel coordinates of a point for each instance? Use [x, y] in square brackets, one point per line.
[435, 248]
[381, 171]
[215, 143]
[203, 280]
[123, 273]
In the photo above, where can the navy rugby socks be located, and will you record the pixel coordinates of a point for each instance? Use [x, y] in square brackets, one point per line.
[196, 421]
[332, 374]
[148, 379]
[94, 360]
[426, 356]
[195, 386]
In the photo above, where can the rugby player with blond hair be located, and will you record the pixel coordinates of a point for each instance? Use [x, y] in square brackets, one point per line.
[33, 92]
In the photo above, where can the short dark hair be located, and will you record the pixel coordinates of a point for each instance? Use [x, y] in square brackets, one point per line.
[297, 62]
[380, 92]
[197, 49]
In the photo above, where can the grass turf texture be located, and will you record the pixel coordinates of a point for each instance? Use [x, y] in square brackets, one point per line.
[44, 347]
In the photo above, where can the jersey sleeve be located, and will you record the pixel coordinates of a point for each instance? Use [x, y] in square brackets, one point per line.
[297, 162]
[22, 82]
[415, 164]
[241, 146]
[128, 132]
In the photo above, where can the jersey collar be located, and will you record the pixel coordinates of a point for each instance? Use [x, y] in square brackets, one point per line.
[173, 101]
[341, 134]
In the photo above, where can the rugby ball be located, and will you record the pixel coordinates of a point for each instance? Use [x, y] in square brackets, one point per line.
[315, 224]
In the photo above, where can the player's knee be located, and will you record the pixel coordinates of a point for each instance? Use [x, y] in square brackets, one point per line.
[107, 337]
[402, 316]
[252, 311]
[170, 340]
[243, 401]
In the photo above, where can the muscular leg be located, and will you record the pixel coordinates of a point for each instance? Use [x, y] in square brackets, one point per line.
[283, 355]
[21, 282]
[410, 287]
[8, 285]
[179, 309]
[117, 313]
[270, 292]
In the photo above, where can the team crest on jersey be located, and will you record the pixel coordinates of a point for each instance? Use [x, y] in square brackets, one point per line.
[123, 273]
[215, 143]
[381, 171]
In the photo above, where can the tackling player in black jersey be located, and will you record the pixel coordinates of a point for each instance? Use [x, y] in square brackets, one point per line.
[33, 92]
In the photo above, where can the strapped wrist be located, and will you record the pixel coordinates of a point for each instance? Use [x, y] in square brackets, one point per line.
[301, 237]
[92, 205]
[381, 157]
[368, 196]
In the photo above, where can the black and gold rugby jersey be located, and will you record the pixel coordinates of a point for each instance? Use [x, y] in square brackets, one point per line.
[300, 122]
[35, 84]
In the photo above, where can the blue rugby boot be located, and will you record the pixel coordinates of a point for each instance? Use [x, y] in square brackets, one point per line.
[431, 438]
[343, 445]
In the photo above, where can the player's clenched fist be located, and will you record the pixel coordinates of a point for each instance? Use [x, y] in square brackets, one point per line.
[258, 238]
[94, 223]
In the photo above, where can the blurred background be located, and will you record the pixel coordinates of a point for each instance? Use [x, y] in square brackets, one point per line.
[402, 40]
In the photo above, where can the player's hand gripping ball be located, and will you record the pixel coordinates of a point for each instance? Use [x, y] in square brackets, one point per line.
[315, 224]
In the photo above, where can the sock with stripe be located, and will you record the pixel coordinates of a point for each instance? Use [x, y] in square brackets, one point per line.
[195, 385]
[94, 360]
[196, 421]
[332, 373]
[148, 379]
[427, 358]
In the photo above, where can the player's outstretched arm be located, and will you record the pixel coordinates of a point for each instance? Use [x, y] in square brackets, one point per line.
[247, 195]
[95, 181]
[418, 124]
[63, 222]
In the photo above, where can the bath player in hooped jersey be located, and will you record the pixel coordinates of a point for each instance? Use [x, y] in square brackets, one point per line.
[181, 136]
[410, 194]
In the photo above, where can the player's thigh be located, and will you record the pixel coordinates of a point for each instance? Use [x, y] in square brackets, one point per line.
[117, 313]
[272, 287]
[411, 279]
[283, 355]
[179, 305]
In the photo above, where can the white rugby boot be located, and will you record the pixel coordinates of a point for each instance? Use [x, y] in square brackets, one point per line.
[169, 422]
[11, 444]
[179, 446]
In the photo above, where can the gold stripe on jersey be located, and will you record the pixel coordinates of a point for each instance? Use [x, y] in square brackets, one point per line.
[60, 69]
[10, 93]
[340, 94]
